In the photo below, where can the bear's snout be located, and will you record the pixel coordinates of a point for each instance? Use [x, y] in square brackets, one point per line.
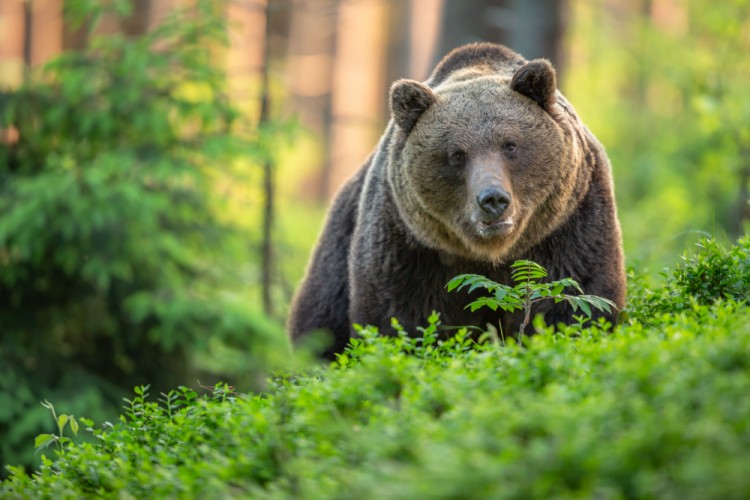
[493, 201]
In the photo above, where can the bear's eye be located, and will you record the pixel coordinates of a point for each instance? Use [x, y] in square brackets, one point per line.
[509, 147]
[457, 158]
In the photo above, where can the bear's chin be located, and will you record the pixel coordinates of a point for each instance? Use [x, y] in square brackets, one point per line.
[496, 250]
[489, 242]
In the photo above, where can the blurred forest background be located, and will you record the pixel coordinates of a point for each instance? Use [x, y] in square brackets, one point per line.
[165, 164]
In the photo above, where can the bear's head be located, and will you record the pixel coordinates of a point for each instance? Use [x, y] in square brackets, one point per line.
[485, 163]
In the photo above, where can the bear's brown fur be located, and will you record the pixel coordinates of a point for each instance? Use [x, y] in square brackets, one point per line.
[483, 164]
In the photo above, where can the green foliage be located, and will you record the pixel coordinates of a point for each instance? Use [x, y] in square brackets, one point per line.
[42, 441]
[713, 273]
[118, 263]
[663, 87]
[527, 292]
[654, 409]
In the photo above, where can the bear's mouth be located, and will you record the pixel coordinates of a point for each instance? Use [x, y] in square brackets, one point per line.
[494, 227]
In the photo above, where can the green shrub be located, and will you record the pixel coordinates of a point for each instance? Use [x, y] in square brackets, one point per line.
[715, 272]
[640, 412]
[711, 274]
[117, 262]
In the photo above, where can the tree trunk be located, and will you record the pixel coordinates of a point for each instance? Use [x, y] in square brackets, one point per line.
[28, 20]
[311, 53]
[534, 28]
[267, 258]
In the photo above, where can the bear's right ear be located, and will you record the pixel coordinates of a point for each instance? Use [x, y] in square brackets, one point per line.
[409, 99]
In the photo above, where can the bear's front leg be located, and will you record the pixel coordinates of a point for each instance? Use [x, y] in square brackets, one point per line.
[322, 300]
[392, 276]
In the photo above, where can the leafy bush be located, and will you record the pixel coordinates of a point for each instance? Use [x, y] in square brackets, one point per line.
[715, 272]
[644, 411]
[711, 274]
[116, 266]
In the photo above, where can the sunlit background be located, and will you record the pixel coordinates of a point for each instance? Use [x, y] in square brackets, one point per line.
[662, 83]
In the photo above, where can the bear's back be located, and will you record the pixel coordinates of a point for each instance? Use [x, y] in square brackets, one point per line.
[484, 58]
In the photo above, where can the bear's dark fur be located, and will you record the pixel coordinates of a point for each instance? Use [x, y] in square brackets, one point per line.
[483, 164]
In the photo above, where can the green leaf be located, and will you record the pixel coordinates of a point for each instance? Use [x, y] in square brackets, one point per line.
[455, 282]
[577, 303]
[434, 318]
[44, 440]
[599, 302]
[526, 270]
[61, 421]
[484, 302]
[141, 390]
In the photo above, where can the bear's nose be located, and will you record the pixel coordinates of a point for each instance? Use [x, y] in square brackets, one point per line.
[493, 201]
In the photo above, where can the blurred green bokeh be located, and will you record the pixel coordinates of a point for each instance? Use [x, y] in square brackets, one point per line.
[123, 257]
[666, 93]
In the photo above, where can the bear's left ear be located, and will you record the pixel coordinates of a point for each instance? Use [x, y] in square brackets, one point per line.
[536, 80]
[409, 99]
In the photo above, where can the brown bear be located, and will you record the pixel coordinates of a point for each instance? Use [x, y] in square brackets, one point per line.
[483, 164]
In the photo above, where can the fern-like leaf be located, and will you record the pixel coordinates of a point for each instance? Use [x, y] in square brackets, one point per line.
[526, 271]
